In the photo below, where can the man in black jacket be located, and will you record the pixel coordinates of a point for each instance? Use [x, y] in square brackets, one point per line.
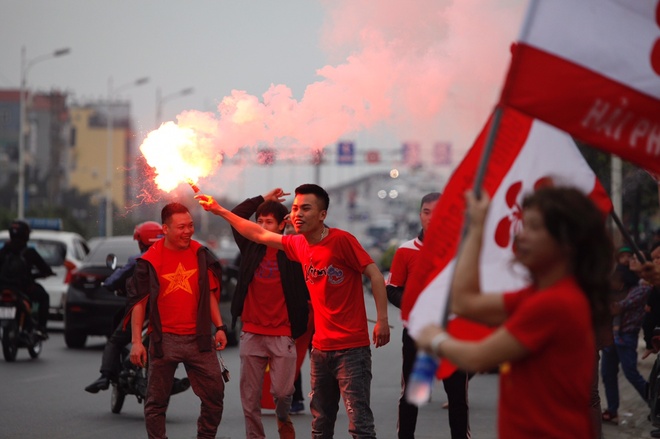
[20, 265]
[180, 280]
[271, 299]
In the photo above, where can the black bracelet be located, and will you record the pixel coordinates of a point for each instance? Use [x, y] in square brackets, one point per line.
[222, 327]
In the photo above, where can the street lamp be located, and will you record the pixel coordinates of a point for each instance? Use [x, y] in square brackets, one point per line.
[109, 150]
[160, 100]
[25, 68]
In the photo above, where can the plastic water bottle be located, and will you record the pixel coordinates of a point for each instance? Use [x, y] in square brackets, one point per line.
[420, 382]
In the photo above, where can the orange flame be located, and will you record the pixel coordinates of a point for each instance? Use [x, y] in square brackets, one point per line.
[178, 155]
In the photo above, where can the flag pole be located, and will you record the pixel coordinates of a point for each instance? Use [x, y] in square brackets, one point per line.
[478, 184]
[627, 237]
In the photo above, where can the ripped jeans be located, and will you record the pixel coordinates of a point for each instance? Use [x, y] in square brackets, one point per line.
[345, 373]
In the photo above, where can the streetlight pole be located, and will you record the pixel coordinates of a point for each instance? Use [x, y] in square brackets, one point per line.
[160, 100]
[110, 150]
[25, 68]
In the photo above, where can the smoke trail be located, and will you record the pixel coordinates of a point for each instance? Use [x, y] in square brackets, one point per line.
[418, 68]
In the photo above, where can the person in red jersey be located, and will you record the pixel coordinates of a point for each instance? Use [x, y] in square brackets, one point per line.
[545, 341]
[456, 385]
[180, 279]
[333, 264]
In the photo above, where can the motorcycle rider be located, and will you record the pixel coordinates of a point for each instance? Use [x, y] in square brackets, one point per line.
[145, 234]
[20, 265]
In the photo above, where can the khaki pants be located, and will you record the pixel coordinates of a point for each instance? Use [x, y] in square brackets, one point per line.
[257, 351]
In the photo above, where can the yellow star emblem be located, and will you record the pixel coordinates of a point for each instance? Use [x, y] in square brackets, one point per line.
[179, 280]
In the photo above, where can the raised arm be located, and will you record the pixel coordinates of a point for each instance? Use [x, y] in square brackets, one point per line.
[467, 297]
[247, 228]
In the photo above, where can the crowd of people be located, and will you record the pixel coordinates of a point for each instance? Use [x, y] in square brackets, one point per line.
[300, 294]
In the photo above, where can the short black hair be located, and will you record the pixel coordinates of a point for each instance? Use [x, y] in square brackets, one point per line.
[170, 209]
[317, 190]
[271, 207]
[429, 198]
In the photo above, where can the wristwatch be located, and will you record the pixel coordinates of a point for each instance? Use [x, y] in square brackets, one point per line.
[222, 327]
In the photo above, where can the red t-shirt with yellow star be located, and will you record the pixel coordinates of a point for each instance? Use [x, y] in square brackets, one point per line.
[179, 291]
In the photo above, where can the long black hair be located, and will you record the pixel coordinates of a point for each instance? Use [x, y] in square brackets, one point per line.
[575, 222]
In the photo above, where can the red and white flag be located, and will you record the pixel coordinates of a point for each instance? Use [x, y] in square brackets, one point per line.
[592, 69]
[526, 153]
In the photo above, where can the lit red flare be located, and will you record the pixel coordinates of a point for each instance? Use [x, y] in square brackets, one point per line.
[194, 187]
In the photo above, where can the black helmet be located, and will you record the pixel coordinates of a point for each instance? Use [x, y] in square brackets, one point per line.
[19, 231]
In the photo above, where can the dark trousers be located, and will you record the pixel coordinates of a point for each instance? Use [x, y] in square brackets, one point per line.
[456, 387]
[38, 294]
[206, 381]
[110, 362]
[654, 392]
[297, 389]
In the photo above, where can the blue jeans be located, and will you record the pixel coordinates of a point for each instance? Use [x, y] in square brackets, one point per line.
[345, 373]
[624, 351]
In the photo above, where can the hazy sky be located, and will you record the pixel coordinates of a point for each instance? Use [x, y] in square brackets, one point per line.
[310, 72]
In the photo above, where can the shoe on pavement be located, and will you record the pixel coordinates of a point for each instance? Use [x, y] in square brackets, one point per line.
[180, 385]
[285, 429]
[610, 417]
[41, 334]
[101, 384]
[296, 407]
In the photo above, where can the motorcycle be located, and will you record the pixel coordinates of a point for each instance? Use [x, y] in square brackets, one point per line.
[18, 325]
[132, 380]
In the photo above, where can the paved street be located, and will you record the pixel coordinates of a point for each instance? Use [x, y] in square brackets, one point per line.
[45, 399]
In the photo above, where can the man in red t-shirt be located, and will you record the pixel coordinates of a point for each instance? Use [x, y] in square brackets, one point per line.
[333, 262]
[404, 260]
[181, 280]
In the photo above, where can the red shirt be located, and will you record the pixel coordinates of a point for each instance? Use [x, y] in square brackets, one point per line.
[333, 272]
[547, 393]
[264, 310]
[403, 262]
[179, 291]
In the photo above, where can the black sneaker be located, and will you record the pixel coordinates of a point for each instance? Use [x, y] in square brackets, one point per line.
[101, 384]
[41, 334]
[296, 407]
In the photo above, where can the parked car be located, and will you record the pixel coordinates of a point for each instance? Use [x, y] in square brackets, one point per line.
[90, 307]
[64, 252]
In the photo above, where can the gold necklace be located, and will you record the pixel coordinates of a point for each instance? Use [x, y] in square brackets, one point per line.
[324, 233]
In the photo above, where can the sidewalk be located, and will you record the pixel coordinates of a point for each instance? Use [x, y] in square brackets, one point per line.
[633, 412]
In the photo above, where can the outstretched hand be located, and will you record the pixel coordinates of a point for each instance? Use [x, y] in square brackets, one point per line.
[208, 203]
